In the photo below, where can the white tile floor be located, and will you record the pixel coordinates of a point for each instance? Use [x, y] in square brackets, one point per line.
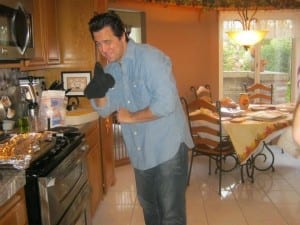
[273, 198]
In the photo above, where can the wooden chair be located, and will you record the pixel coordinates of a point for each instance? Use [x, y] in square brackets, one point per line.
[208, 137]
[259, 93]
[203, 92]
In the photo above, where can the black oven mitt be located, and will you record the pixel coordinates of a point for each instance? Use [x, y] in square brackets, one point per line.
[100, 83]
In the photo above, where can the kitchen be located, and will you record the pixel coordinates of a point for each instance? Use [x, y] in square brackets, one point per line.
[55, 51]
[62, 28]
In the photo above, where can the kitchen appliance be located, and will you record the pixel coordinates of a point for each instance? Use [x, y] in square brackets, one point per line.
[32, 87]
[16, 36]
[57, 190]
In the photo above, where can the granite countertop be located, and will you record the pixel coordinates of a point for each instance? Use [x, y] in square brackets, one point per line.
[11, 181]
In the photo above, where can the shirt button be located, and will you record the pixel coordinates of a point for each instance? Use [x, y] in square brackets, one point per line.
[134, 85]
[135, 133]
[138, 148]
[128, 102]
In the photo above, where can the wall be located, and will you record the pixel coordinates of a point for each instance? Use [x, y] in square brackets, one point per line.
[188, 35]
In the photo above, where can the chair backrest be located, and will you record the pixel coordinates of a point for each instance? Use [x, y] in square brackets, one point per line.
[206, 127]
[205, 122]
[259, 93]
[203, 92]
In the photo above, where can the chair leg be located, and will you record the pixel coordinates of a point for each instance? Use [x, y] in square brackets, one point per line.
[190, 169]
[242, 174]
[220, 175]
[209, 165]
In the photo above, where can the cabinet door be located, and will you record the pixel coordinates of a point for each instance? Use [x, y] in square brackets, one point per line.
[14, 211]
[108, 158]
[39, 36]
[94, 165]
[45, 34]
[51, 39]
[77, 46]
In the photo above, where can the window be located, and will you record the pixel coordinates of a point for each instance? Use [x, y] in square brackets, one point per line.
[274, 60]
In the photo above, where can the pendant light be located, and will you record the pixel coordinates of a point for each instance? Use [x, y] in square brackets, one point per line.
[247, 37]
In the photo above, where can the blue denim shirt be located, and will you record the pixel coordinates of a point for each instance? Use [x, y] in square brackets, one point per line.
[144, 78]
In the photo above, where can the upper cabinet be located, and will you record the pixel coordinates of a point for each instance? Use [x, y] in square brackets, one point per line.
[77, 47]
[45, 31]
[61, 35]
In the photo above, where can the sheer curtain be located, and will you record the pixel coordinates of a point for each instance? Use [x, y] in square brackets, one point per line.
[279, 24]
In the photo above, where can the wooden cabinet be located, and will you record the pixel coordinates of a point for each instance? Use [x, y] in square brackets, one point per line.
[107, 151]
[100, 157]
[14, 211]
[77, 47]
[94, 165]
[45, 31]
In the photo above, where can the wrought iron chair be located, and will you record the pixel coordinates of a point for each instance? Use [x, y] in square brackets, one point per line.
[209, 140]
[203, 92]
[259, 93]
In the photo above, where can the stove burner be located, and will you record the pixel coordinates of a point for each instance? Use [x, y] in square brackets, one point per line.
[64, 140]
[60, 143]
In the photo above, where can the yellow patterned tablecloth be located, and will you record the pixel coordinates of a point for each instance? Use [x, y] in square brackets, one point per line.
[248, 136]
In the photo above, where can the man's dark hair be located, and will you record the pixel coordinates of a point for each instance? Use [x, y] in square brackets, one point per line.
[111, 19]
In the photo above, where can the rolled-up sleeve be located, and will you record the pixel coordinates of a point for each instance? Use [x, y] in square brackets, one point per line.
[162, 85]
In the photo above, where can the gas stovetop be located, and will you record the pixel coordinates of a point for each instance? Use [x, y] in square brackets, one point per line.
[52, 151]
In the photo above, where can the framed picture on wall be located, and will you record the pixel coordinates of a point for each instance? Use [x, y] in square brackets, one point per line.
[75, 82]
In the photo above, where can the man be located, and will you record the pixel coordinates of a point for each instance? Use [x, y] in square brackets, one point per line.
[139, 85]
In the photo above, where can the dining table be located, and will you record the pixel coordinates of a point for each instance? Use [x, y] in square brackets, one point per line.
[252, 130]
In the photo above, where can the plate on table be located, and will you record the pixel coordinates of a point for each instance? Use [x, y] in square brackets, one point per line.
[267, 115]
[286, 108]
[226, 118]
[258, 108]
[230, 112]
[238, 119]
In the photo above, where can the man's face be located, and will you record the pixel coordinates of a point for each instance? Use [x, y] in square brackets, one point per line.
[110, 46]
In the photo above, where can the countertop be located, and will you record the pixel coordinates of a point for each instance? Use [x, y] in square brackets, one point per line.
[11, 181]
[81, 115]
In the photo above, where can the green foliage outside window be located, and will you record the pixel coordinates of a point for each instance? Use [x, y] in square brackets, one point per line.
[275, 52]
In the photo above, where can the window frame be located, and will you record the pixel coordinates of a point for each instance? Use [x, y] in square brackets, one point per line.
[262, 15]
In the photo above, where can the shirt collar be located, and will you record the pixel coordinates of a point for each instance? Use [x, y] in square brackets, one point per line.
[129, 53]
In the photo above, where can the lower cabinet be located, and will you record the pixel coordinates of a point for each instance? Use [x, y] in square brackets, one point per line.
[100, 157]
[14, 211]
[92, 133]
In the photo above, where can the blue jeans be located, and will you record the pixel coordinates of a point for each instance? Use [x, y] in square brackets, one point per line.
[161, 190]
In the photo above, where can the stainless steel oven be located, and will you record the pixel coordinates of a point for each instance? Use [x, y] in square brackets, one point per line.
[57, 189]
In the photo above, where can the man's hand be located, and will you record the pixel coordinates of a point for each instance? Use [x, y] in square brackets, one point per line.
[144, 115]
[124, 116]
[100, 83]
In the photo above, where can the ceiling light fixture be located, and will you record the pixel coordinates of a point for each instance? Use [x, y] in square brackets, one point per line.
[247, 37]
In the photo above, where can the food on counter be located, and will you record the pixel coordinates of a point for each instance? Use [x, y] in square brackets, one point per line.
[19, 145]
